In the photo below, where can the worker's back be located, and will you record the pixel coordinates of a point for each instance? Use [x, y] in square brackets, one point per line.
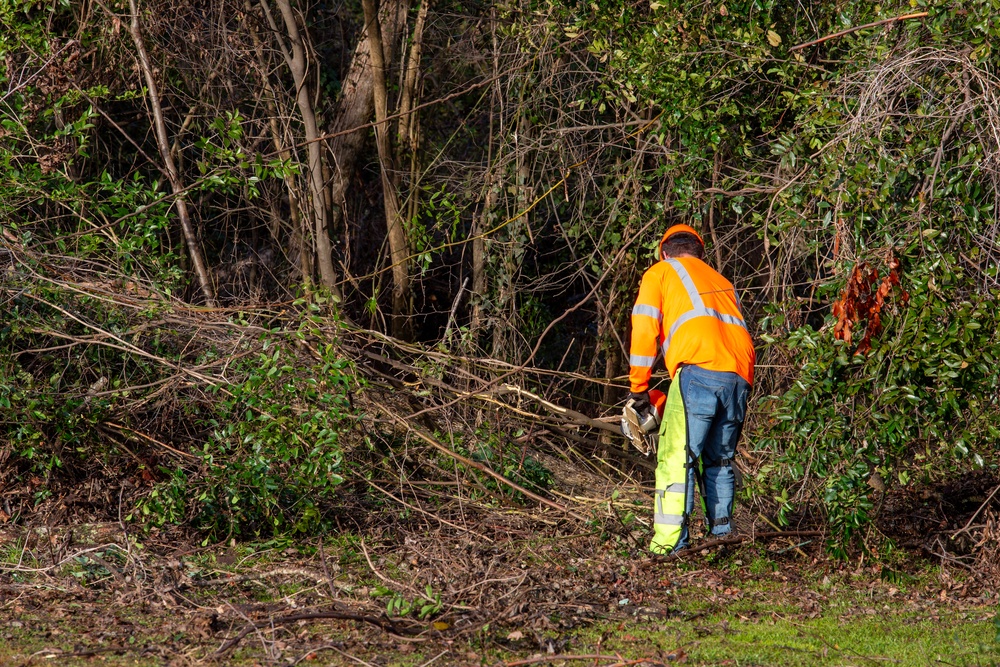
[701, 320]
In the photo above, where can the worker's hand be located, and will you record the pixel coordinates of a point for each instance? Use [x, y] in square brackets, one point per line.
[640, 402]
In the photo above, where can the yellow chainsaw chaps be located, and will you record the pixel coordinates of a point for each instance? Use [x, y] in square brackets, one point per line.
[671, 474]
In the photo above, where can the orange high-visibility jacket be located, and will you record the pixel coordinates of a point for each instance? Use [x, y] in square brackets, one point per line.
[687, 310]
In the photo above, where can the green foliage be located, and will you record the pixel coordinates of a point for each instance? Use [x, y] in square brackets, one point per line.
[497, 451]
[921, 405]
[274, 457]
[92, 567]
[423, 607]
[880, 140]
[436, 226]
[24, 25]
[268, 445]
[58, 196]
[47, 413]
[81, 186]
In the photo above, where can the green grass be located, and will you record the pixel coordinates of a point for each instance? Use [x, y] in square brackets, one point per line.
[829, 640]
[39, 641]
[846, 632]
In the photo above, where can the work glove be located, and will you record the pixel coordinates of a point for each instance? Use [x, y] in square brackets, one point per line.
[640, 402]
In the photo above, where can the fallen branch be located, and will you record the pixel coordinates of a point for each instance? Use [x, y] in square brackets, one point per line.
[142, 435]
[649, 463]
[857, 28]
[432, 441]
[426, 513]
[973, 517]
[569, 416]
[260, 576]
[732, 539]
[771, 524]
[589, 656]
[566, 413]
[383, 622]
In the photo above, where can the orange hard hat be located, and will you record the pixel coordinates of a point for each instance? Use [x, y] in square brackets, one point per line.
[678, 229]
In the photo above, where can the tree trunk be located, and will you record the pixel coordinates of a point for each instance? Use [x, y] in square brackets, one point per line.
[300, 239]
[479, 261]
[356, 104]
[508, 342]
[297, 61]
[399, 249]
[407, 129]
[482, 223]
[163, 144]
[408, 134]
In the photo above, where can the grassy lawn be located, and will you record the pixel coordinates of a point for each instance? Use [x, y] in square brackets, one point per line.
[760, 619]
[889, 637]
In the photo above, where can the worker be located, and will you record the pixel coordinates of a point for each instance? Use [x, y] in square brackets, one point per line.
[690, 314]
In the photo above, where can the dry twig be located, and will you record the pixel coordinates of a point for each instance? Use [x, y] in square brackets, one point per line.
[383, 622]
[905, 17]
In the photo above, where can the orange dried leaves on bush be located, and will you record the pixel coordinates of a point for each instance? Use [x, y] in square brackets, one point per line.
[862, 303]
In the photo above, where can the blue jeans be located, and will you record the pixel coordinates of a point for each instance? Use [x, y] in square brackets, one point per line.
[715, 405]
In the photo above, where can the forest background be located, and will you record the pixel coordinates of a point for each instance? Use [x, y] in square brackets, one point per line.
[255, 258]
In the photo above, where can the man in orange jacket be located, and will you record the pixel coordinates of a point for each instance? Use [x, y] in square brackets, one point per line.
[688, 313]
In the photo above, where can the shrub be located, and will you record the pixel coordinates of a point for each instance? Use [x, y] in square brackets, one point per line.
[274, 455]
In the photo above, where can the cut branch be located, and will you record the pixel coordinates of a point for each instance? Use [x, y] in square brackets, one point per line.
[566, 413]
[430, 440]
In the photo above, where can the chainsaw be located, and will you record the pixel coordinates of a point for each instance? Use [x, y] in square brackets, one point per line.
[642, 428]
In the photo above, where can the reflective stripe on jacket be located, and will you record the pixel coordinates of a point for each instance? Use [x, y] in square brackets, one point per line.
[690, 313]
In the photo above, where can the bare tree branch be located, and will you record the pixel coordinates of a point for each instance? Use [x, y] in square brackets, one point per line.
[163, 144]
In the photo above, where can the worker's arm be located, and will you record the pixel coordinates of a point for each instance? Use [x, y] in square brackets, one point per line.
[646, 319]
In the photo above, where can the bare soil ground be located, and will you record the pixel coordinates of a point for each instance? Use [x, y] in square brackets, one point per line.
[407, 582]
[511, 588]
